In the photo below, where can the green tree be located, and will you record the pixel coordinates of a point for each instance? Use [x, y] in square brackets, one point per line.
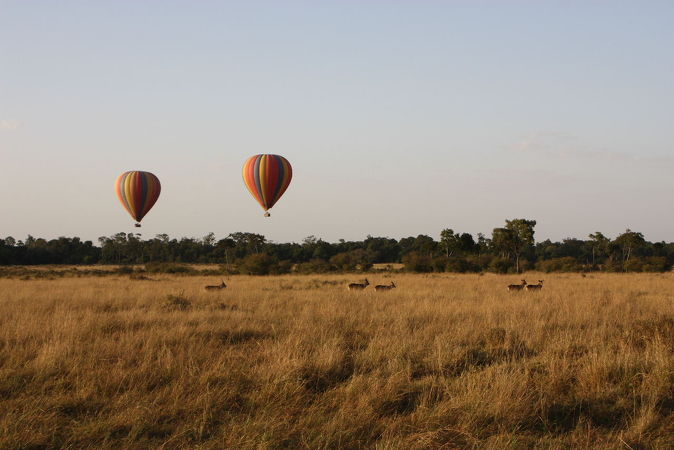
[628, 242]
[456, 244]
[422, 243]
[247, 243]
[600, 245]
[449, 241]
[209, 239]
[483, 243]
[516, 237]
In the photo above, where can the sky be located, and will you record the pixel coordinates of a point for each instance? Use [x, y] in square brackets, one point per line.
[399, 117]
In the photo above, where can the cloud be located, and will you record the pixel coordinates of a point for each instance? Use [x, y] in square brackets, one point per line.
[9, 125]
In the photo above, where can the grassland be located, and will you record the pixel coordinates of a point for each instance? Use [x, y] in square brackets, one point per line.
[442, 361]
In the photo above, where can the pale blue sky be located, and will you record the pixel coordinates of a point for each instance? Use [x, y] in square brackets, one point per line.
[399, 117]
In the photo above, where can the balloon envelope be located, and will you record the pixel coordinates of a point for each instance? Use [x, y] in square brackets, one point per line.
[138, 191]
[267, 178]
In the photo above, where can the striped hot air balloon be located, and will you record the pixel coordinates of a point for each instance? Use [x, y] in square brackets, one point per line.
[138, 191]
[267, 178]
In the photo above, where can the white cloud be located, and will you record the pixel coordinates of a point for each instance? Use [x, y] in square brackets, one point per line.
[9, 125]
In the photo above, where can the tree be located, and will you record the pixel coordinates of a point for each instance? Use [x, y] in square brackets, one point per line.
[467, 243]
[247, 243]
[449, 241]
[386, 250]
[456, 243]
[628, 242]
[422, 243]
[209, 239]
[516, 237]
[316, 248]
[222, 248]
[483, 244]
[600, 244]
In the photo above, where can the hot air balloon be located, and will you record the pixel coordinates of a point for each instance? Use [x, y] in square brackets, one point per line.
[138, 191]
[267, 178]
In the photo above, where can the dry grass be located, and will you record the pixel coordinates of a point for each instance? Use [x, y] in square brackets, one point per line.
[443, 361]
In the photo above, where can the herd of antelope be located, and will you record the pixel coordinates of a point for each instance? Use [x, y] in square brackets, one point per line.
[523, 286]
[379, 287]
[352, 286]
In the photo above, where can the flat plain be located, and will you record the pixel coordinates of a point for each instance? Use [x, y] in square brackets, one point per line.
[442, 361]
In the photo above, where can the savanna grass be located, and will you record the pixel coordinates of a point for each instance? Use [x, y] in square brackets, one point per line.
[442, 361]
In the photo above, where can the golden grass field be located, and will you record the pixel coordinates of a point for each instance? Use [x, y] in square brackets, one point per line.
[443, 361]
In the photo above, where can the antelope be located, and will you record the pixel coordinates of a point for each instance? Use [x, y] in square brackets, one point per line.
[517, 287]
[384, 287]
[217, 286]
[358, 286]
[535, 287]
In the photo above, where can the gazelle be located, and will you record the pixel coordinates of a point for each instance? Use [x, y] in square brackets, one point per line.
[384, 287]
[217, 286]
[535, 287]
[359, 286]
[517, 287]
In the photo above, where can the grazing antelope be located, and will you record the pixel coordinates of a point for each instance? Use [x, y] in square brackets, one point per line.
[384, 287]
[517, 287]
[217, 286]
[535, 287]
[359, 286]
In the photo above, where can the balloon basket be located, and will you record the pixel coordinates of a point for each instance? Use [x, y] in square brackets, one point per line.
[137, 225]
[266, 214]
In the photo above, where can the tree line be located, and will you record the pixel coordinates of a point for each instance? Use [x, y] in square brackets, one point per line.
[510, 249]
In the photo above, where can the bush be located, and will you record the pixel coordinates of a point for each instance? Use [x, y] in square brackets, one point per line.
[438, 264]
[314, 266]
[565, 264]
[633, 265]
[160, 267]
[418, 262]
[612, 265]
[656, 264]
[461, 265]
[358, 259]
[501, 265]
[258, 264]
[343, 261]
[283, 267]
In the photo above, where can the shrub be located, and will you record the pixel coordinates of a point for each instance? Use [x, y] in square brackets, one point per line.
[461, 265]
[283, 267]
[314, 266]
[417, 262]
[358, 259]
[655, 264]
[160, 267]
[565, 264]
[501, 265]
[257, 264]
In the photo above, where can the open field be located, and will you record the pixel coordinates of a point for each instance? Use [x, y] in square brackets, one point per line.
[443, 361]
